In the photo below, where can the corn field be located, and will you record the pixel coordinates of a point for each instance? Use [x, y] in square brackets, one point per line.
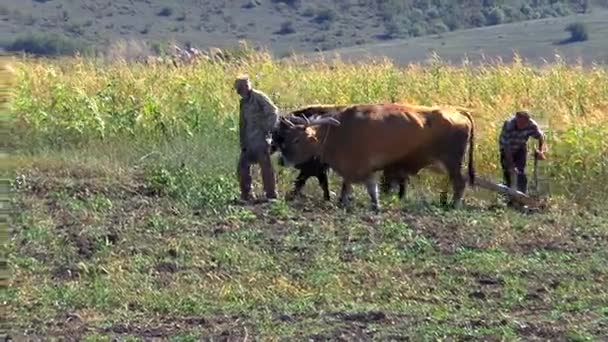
[5, 80]
[76, 100]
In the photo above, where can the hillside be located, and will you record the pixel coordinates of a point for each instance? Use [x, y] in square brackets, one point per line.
[534, 41]
[284, 26]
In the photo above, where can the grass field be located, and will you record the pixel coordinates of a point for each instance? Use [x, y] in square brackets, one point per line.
[122, 178]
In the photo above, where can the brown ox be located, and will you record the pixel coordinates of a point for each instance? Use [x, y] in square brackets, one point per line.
[366, 138]
[314, 167]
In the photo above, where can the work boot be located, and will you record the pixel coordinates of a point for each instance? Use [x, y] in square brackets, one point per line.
[271, 197]
[271, 200]
[244, 200]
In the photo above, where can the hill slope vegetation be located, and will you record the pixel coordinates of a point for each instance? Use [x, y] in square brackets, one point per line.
[536, 41]
[283, 26]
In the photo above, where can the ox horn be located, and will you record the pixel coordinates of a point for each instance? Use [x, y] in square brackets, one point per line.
[288, 122]
[328, 120]
[298, 120]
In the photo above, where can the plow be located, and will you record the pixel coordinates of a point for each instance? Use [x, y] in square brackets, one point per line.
[533, 202]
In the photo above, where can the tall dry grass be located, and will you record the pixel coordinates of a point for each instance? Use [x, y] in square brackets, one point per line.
[81, 100]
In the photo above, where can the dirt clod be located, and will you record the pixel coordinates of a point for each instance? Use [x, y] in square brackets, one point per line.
[65, 272]
[285, 318]
[366, 317]
[166, 267]
[84, 246]
[478, 295]
[484, 280]
[112, 237]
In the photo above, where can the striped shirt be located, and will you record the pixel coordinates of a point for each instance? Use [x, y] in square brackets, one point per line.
[513, 139]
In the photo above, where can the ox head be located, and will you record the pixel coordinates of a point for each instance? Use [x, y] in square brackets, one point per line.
[297, 137]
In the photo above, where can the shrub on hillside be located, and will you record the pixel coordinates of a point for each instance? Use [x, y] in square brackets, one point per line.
[578, 32]
[511, 14]
[397, 28]
[478, 19]
[433, 13]
[452, 22]
[548, 12]
[293, 3]
[4, 11]
[50, 44]
[308, 12]
[561, 9]
[286, 28]
[439, 27]
[495, 16]
[325, 14]
[416, 15]
[166, 12]
[390, 9]
[417, 30]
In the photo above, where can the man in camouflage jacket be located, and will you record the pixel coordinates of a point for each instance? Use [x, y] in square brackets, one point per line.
[257, 119]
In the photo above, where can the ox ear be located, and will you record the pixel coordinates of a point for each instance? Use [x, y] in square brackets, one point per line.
[328, 120]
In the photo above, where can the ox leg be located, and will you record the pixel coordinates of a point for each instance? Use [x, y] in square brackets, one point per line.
[298, 185]
[372, 190]
[345, 193]
[458, 185]
[386, 183]
[403, 186]
[324, 183]
[452, 161]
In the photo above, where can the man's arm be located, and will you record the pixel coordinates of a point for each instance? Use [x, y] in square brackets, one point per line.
[540, 136]
[541, 143]
[241, 129]
[270, 110]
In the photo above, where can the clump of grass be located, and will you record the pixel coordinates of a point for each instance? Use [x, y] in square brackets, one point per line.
[186, 185]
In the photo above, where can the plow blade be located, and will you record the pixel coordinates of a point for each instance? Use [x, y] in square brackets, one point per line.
[513, 194]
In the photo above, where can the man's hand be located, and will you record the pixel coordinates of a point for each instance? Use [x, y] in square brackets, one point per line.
[540, 155]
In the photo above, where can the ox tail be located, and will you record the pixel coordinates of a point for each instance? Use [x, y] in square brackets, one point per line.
[471, 169]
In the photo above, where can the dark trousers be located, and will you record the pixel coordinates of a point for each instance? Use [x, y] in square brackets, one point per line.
[261, 157]
[519, 161]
